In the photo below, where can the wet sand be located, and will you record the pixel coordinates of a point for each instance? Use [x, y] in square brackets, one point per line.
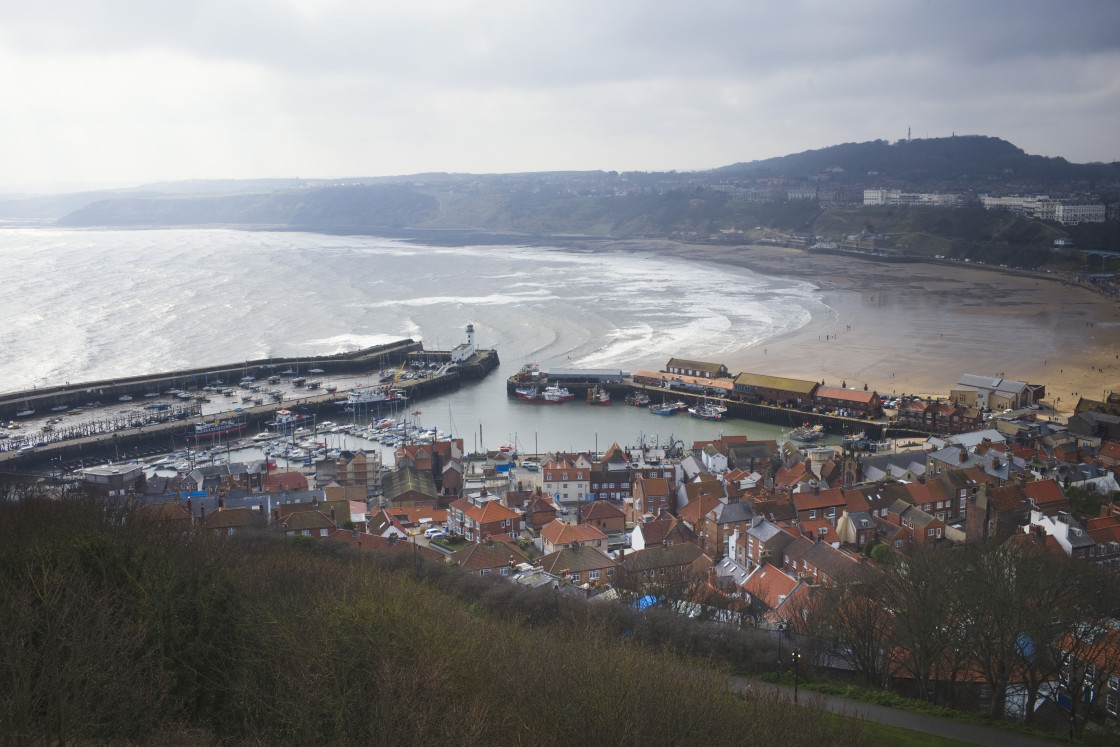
[915, 328]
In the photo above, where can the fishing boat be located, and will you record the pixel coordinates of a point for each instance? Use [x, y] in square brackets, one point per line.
[373, 395]
[668, 408]
[287, 420]
[807, 433]
[215, 429]
[637, 399]
[598, 395]
[550, 395]
[708, 411]
[854, 440]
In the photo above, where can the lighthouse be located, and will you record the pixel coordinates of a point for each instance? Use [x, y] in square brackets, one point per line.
[461, 353]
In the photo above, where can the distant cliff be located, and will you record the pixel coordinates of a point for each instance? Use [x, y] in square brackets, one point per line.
[334, 207]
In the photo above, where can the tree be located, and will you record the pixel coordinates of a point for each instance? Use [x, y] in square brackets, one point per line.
[853, 615]
[919, 588]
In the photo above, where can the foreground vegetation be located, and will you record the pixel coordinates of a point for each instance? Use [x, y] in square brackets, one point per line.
[112, 629]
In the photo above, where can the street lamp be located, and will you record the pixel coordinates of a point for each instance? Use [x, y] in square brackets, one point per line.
[781, 632]
[796, 658]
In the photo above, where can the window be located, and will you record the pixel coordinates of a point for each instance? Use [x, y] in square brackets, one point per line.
[812, 513]
[1110, 702]
[925, 507]
[485, 572]
[593, 575]
[929, 532]
[575, 577]
[505, 570]
[323, 532]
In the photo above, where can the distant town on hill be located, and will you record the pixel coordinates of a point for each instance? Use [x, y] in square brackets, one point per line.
[960, 197]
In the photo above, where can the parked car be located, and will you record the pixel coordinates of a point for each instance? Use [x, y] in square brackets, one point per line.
[433, 532]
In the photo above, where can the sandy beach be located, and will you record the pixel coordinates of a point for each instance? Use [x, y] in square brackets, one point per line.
[915, 328]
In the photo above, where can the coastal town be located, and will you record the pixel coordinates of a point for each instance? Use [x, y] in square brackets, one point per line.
[735, 531]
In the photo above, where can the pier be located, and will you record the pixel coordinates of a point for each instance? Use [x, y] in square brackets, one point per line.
[736, 407]
[142, 432]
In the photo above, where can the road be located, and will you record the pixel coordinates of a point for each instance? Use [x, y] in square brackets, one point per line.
[970, 733]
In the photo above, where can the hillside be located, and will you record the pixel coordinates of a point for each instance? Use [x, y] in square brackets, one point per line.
[734, 204]
[118, 630]
[965, 159]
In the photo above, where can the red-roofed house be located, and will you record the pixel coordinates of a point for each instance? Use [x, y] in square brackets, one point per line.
[651, 494]
[996, 512]
[559, 535]
[767, 588]
[484, 558]
[854, 401]
[539, 512]
[1046, 496]
[603, 515]
[819, 504]
[478, 517]
[821, 530]
[284, 482]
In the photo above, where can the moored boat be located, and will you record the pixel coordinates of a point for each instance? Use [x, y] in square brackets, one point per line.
[668, 408]
[708, 411]
[807, 433]
[637, 399]
[550, 395]
[215, 429]
[598, 395]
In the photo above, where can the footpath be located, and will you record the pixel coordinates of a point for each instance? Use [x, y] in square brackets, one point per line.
[969, 733]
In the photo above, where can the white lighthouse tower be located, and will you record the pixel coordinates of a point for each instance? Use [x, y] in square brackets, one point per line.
[461, 353]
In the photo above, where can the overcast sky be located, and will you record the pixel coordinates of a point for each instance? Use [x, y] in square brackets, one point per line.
[121, 92]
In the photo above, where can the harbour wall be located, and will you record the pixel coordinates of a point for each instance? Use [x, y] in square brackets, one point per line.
[190, 379]
[781, 416]
[157, 438]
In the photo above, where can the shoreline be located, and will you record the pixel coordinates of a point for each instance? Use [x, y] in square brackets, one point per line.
[914, 328]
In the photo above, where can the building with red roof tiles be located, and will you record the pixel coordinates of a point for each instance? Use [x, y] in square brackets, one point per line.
[792, 475]
[820, 530]
[580, 565]
[775, 508]
[490, 557]
[698, 508]
[284, 482]
[819, 504]
[866, 404]
[1104, 530]
[559, 535]
[229, 521]
[170, 515]
[603, 515]
[651, 495]
[308, 524]
[481, 516]
[385, 524]
[539, 512]
[566, 481]
[924, 528]
[1109, 454]
[1046, 496]
[767, 588]
[996, 513]
[665, 530]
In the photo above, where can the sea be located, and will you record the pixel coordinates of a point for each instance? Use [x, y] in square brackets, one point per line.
[81, 305]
